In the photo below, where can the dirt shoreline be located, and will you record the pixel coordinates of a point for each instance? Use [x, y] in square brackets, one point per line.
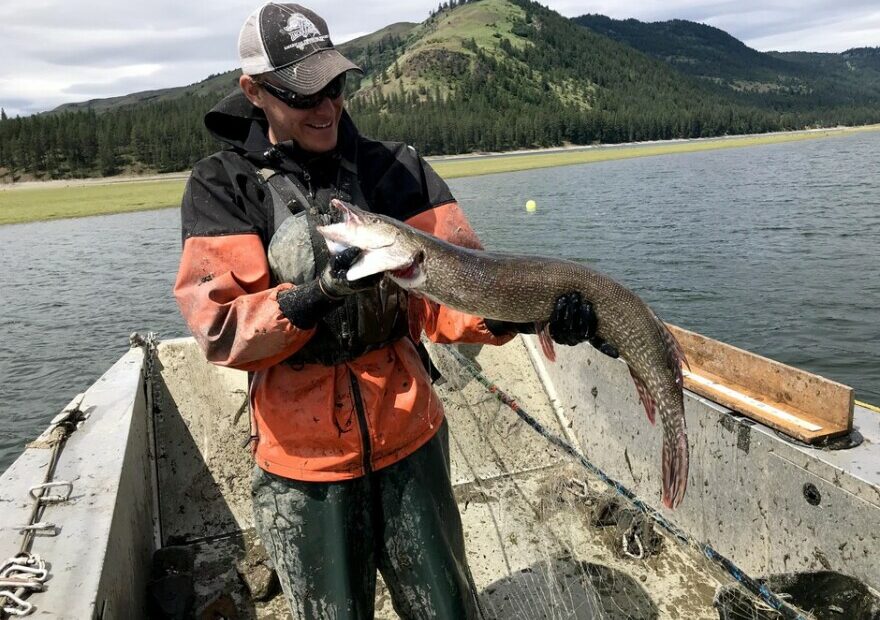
[781, 136]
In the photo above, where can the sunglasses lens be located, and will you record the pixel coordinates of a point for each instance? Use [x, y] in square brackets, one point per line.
[306, 102]
[335, 87]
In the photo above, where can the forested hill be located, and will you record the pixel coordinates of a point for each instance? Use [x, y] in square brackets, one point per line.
[488, 75]
[789, 80]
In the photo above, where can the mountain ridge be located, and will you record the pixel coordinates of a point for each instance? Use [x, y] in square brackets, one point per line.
[490, 75]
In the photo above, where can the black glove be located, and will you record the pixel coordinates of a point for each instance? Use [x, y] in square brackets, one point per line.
[305, 304]
[572, 321]
[334, 281]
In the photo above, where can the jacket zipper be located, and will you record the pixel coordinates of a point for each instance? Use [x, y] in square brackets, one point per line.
[362, 421]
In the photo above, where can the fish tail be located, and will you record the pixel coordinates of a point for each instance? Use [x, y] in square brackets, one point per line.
[675, 470]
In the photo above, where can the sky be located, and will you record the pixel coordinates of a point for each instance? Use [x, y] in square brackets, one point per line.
[60, 51]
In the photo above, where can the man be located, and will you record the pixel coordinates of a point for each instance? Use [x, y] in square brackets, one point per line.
[348, 436]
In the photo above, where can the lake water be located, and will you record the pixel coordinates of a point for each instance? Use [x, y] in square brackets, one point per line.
[775, 249]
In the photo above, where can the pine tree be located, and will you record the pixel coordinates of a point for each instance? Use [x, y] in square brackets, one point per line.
[3, 116]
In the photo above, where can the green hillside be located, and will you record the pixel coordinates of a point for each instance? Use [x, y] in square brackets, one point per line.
[800, 81]
[500, 74]
[489, 75]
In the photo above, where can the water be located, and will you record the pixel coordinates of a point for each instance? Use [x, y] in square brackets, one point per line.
[771, 248]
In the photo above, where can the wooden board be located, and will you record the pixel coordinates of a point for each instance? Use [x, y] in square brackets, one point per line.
[800, 404]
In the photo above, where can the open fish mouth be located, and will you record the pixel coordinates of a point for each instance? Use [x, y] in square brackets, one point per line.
[411, 272]
[381, 246]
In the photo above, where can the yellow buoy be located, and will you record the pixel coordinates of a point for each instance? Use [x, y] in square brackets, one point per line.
[531, 206]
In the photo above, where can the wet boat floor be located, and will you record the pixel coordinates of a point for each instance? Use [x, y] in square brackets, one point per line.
[535, 551]
[544, 538]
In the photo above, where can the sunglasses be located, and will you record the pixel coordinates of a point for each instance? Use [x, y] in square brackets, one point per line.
[306, 102]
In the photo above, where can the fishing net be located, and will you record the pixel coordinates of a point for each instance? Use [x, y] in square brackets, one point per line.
[549, 535]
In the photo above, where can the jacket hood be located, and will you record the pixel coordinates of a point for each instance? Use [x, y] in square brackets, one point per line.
[237, 122]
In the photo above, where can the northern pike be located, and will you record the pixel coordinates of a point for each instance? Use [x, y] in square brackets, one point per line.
[524, 289]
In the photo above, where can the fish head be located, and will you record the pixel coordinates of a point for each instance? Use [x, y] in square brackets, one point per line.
[385, 244]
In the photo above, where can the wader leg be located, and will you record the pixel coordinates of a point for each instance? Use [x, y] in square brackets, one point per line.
[421, 554]
[320, 539]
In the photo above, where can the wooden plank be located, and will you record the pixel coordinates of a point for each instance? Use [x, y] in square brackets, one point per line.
[793, 401]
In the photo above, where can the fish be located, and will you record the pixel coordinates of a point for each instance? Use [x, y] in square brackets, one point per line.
[524, 289]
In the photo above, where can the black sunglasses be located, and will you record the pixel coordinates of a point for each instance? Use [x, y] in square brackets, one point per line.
[306, 102]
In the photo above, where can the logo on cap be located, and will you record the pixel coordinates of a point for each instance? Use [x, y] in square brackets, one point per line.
[302, 32]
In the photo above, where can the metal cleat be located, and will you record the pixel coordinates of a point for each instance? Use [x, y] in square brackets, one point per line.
[49, 529]
[37, 490]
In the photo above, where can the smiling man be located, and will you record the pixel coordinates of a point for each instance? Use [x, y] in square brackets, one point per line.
[348, 436]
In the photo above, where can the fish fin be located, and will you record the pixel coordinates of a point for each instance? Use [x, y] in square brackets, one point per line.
[543, 332]
[644, 396]
[674, 353]
[675, 470]
[415, 315]
[421, 315]
[433, 313]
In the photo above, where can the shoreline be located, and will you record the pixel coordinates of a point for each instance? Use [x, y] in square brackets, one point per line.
[33, 201]
[453, 166]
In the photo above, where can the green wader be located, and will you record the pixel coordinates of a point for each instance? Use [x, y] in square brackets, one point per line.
[328, 538]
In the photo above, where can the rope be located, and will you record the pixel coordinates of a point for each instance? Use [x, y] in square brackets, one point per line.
[758, 589]
[26, 572]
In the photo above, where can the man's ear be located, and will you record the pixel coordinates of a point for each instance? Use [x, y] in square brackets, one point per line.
[251, 90]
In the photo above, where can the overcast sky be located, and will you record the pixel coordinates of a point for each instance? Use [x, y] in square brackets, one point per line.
[58, 51]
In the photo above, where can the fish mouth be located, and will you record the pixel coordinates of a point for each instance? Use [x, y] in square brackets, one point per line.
[410, 273]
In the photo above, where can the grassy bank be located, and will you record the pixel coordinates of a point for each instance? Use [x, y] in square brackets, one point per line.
[49, 203]
[76, 199]
[452, 167]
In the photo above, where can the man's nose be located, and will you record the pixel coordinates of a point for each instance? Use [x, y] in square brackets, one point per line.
[326, 106]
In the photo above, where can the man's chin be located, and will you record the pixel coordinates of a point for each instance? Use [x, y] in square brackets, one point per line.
[319, 143]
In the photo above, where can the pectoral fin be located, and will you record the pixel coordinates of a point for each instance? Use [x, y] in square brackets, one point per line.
[422, 315]
[543, 332]
[644, 396]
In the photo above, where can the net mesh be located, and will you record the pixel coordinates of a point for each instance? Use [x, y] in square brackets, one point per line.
[549, 538]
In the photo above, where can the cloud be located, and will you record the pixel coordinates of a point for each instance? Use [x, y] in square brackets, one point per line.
[802, 25]
[57, 51]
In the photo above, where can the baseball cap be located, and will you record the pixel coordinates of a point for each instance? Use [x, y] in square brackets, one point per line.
[293, 43]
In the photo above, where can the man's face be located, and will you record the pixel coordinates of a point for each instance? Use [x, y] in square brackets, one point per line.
[315, 130]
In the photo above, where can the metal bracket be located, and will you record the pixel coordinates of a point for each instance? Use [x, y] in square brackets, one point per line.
[36, 491]
[42, 526]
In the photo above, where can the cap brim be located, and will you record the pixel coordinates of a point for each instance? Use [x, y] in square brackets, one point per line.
[313, 73]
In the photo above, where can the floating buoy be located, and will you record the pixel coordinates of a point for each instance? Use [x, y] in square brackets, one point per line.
[531, 206]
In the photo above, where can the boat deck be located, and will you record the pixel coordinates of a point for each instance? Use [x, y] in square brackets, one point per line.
[544, 538]
[158, 462]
